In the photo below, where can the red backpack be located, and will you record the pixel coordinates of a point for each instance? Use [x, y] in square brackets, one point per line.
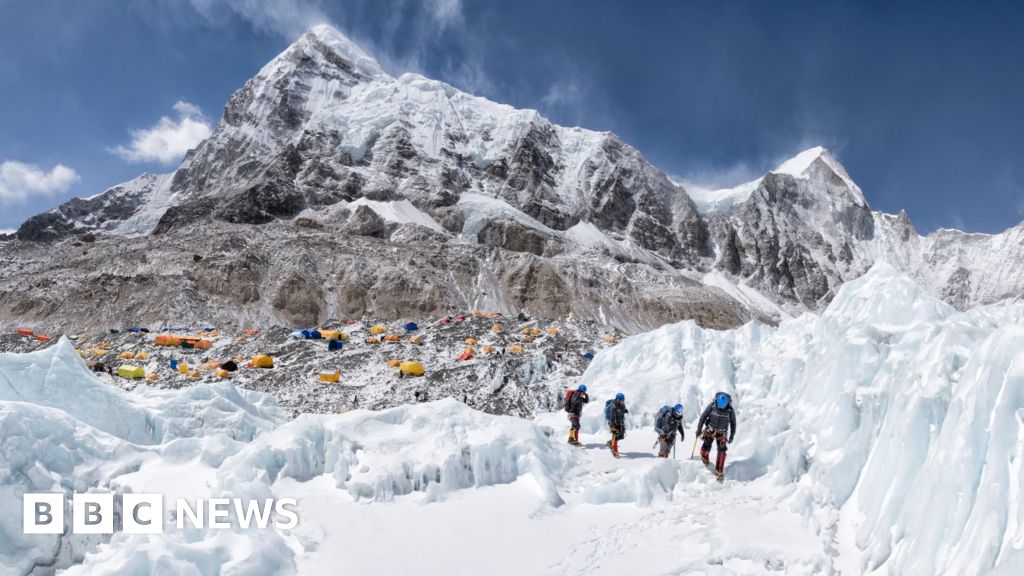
[567, 401]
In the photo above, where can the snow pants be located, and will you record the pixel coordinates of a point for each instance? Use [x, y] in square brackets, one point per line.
[723, 446]
[665, 444]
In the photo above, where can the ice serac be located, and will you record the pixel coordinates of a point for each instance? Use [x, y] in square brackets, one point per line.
[893, 418]
[323, 148]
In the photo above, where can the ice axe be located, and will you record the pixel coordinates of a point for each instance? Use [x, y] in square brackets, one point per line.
[694, 451]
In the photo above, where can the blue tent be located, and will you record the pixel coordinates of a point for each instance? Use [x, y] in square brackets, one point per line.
[315, 335]
[174, 364]
[333, 345]
[409, 327]
[589, 356]
[135, 330]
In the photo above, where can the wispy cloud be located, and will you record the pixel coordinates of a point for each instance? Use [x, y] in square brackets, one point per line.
[169, 139]
[719, 177]
[19, 181]
[288, 18]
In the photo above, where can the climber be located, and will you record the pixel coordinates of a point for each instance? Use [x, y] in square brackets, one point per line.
[574, 401]
[615, 415]
[667, 424]
[720, 419]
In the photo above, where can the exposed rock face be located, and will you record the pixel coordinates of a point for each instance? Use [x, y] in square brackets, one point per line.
[321, 134]
[512, 235]
[365, 222]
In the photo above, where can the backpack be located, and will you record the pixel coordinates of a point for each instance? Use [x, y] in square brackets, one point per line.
[608, 412]
[659, 419]
[567, 401]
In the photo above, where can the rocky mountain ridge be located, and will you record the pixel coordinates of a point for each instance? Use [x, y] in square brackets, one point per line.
[330, 187]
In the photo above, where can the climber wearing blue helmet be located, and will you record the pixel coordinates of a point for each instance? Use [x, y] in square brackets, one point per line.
[573, 404]
[720, 421]
[666, 424]
[615, 414]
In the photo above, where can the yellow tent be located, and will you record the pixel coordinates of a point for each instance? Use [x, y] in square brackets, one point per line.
[488, 349]
[152, 376]
[99, 352]
[496, 328]
[330, 376]
[142, 356]
[609, 338]
[372, 340]
[378, 329]
[127, 371]
[515, 349]
[536, 331]
[394, 363]
[469, 350]
[126, 355]
[417, 339]
[262, 361]
[524, 331]
[470, 341]
[526, 339]
[193, 374]
[392, 337]
[552, 330]
[409, 368]
[182, 368]
[211, 365]
[221, 373]
[331, 334]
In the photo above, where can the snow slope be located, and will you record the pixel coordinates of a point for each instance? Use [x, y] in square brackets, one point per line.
[883, 436]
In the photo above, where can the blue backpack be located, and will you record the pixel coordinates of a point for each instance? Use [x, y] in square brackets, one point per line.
[660, 418]
[608, 412]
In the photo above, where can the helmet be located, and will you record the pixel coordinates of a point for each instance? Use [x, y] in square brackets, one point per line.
[721, 400]
[678, 409]
[582, 388]
[620, 396]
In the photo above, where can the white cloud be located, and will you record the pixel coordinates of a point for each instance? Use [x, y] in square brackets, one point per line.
[19, 180]
[169, 139]
[445, 12]
[289, 18]
[7, 231]
[709, 177]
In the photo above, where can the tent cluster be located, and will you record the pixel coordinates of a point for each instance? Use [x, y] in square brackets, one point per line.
[199, 342]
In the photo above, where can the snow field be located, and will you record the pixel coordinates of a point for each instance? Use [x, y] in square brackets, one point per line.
[884, 436]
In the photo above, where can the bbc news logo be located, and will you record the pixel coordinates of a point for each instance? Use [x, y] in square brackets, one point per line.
[94, 513]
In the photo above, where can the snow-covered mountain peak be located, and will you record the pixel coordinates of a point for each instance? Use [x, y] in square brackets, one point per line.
[342, 46]
[799, 165]
[819, 164]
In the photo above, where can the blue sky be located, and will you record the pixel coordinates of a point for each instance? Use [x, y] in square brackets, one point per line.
[923, 102]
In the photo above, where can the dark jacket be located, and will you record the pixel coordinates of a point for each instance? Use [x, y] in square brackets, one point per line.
[619, 411]
[718, 419]
[576, 402]
[670, 423]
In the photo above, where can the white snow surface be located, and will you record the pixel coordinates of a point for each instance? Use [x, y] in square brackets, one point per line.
[398, 211]
[721, 200]
[884, 436]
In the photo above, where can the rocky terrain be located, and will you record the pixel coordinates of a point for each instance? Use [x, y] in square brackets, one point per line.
[331, 189]
[502, 381]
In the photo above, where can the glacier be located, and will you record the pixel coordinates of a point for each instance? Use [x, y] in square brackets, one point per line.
[884, 435]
